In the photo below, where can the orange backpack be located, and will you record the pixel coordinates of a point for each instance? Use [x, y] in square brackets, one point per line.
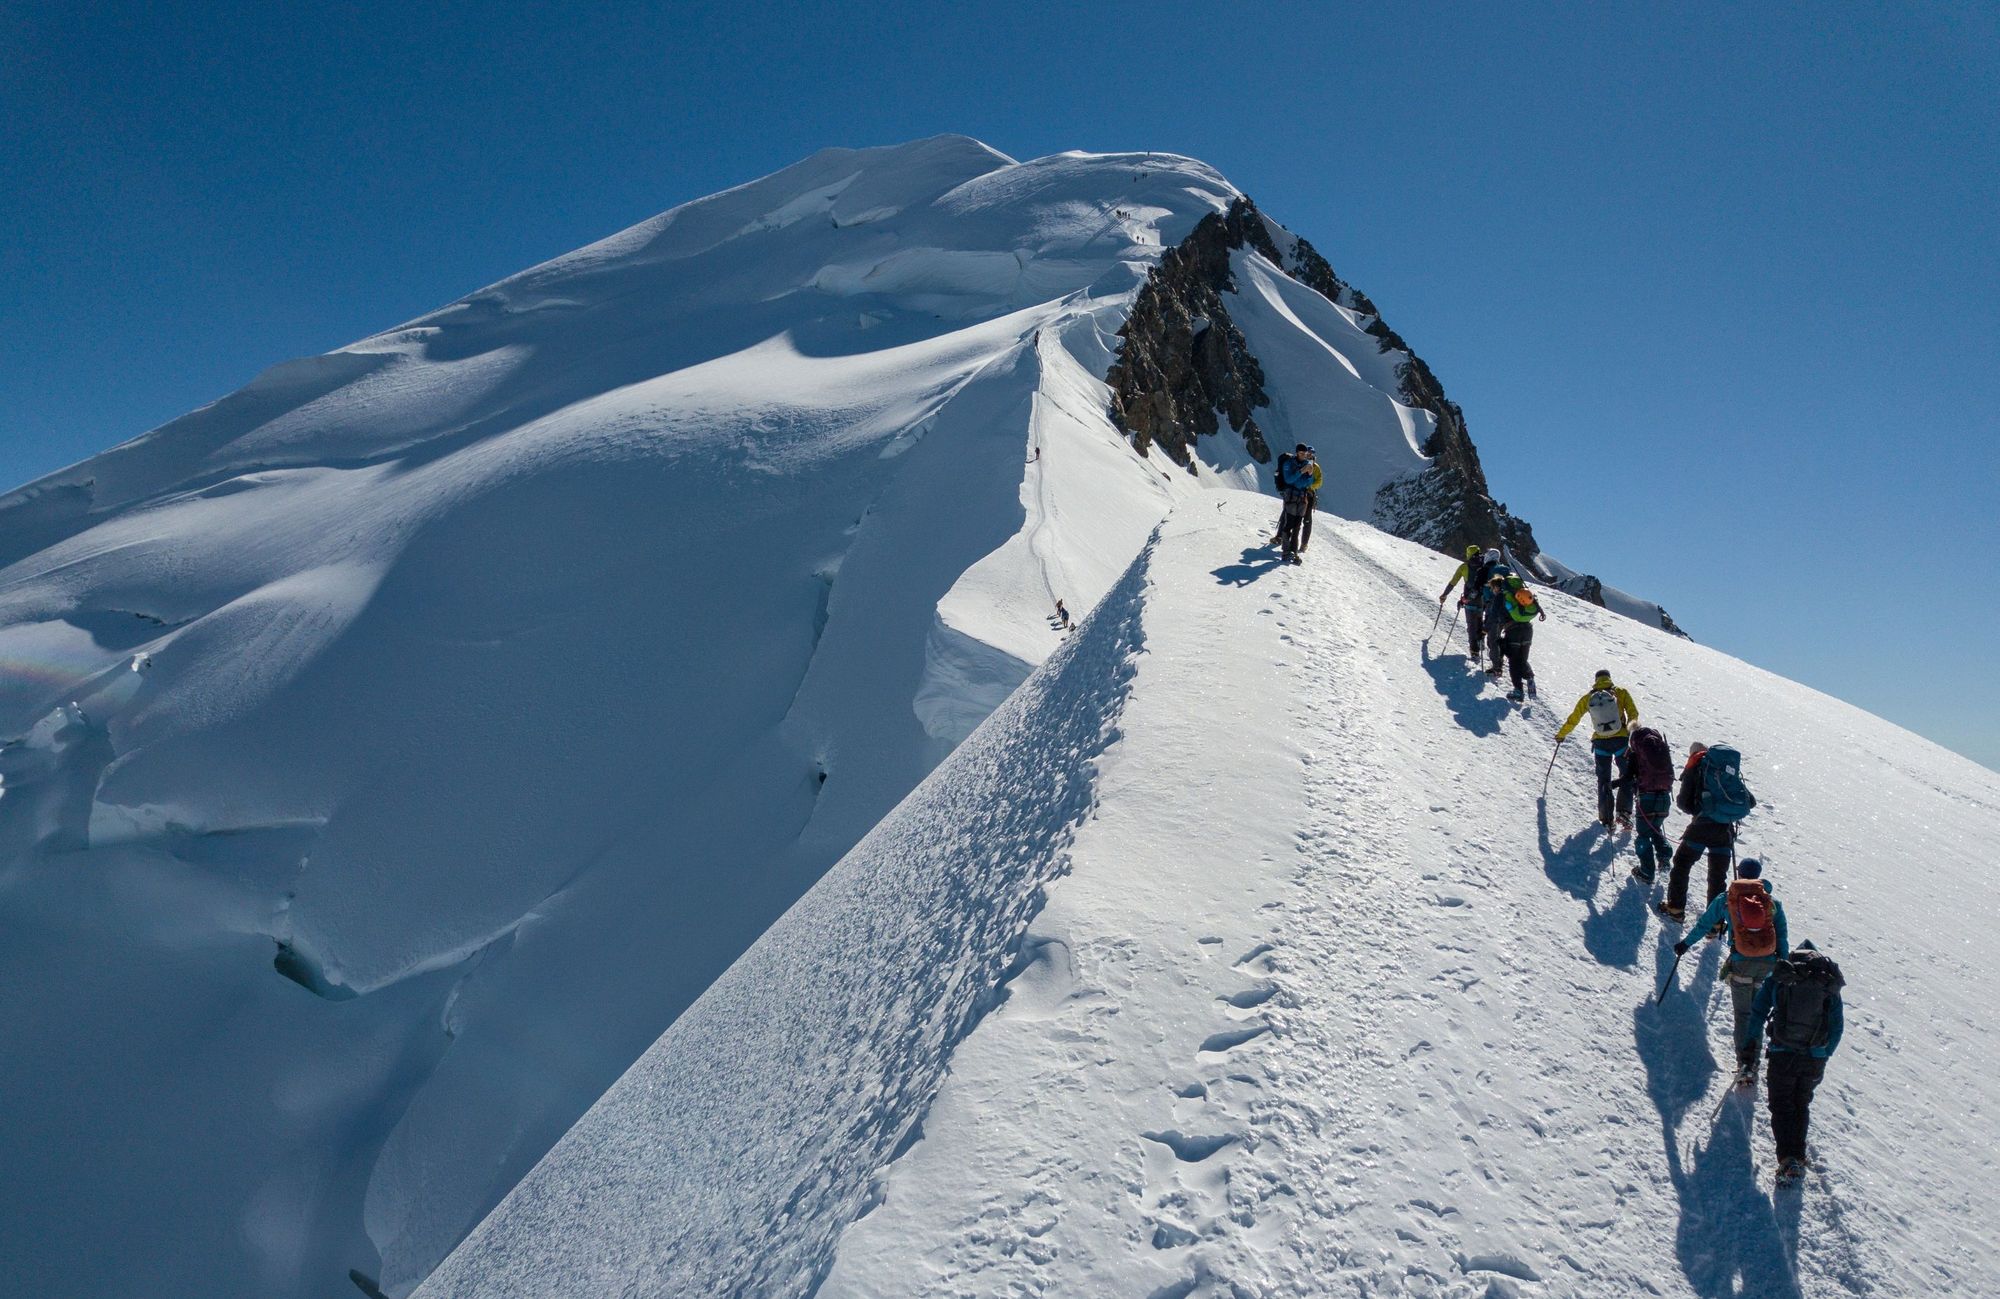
[1753, 927]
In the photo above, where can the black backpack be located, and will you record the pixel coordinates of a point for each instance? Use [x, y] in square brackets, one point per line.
[1278, 472]
[1801, 1017]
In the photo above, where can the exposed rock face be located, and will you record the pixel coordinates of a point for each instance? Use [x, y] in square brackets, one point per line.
[1183, 360]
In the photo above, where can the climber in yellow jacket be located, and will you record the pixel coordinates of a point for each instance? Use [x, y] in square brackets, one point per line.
[1612, 713]
[1477, 565]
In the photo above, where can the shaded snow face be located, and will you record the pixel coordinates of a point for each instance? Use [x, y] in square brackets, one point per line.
[507, 674]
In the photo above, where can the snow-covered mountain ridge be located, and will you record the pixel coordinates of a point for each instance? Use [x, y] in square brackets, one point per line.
[1304, 992]
[397, 746]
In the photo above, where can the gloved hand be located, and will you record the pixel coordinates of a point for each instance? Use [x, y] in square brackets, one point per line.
[1681, 948]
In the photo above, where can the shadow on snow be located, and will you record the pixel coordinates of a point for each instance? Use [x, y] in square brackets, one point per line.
[1730, 1241]
[1612, 935]
[1257, 561]
[1475, 711]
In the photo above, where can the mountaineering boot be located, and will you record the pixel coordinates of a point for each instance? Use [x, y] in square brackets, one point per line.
[1625, 824]
[1604, 821]
[1746, 1074]
[1515, 694]
[1643, 875]
[1494, 672]
[1676, 914]
[1531, 687]
[1791, 1172]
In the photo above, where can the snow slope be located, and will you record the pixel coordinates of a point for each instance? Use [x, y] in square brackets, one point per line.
[391, 750]
[1305, 992]
[399, 744]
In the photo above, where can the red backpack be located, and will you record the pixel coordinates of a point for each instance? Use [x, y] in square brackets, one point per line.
[1753, 926]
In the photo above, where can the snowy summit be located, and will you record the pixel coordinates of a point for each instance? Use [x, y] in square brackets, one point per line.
[590, 793]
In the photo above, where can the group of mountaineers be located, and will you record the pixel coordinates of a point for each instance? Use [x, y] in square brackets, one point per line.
[1785, 998]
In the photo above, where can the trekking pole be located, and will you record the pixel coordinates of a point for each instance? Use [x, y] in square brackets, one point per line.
[1452, 630]
[1435, 621]
[1552, 766]
[1670, 978]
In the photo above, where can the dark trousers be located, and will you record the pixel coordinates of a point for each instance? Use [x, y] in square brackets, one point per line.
[1475, 628]
[1791, 1077]
[1306, 525]
[1288, 526]
[1744, 975]
[1607, 754]
[1496, 649]
[1653, 846]
[1518, 637]
[1700, 838]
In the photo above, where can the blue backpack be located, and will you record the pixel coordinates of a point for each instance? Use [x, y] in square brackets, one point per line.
[1724, 796]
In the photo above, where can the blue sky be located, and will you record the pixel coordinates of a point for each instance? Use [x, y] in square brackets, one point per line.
[1717, 286]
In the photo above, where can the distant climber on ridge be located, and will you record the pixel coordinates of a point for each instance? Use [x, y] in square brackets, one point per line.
[1299, 477]
[1472, 598]
[1611, 711]
[1279, 473]
[1800, 1007]
[1713, 793]
[1653, 776]
[1312, 498]
[1755, 923]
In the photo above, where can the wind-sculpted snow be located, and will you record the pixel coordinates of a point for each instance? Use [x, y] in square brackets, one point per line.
[397, 746]
[728, 1159]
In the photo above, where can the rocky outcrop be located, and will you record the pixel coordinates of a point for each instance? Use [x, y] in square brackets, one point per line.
[1183, 367]
[1182, 360]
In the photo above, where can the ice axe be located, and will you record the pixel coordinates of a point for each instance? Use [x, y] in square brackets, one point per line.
[1552, 764]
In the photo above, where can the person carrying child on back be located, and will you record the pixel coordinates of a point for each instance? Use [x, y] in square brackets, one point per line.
[1755, 924]
[1653, 776]
[1799, 1007]
[1281, 471]
[1611, 710]
[1299, 479]
[1713, 793]
[1473, 598]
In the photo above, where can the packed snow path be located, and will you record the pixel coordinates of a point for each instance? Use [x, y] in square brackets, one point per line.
[1323, 1001]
